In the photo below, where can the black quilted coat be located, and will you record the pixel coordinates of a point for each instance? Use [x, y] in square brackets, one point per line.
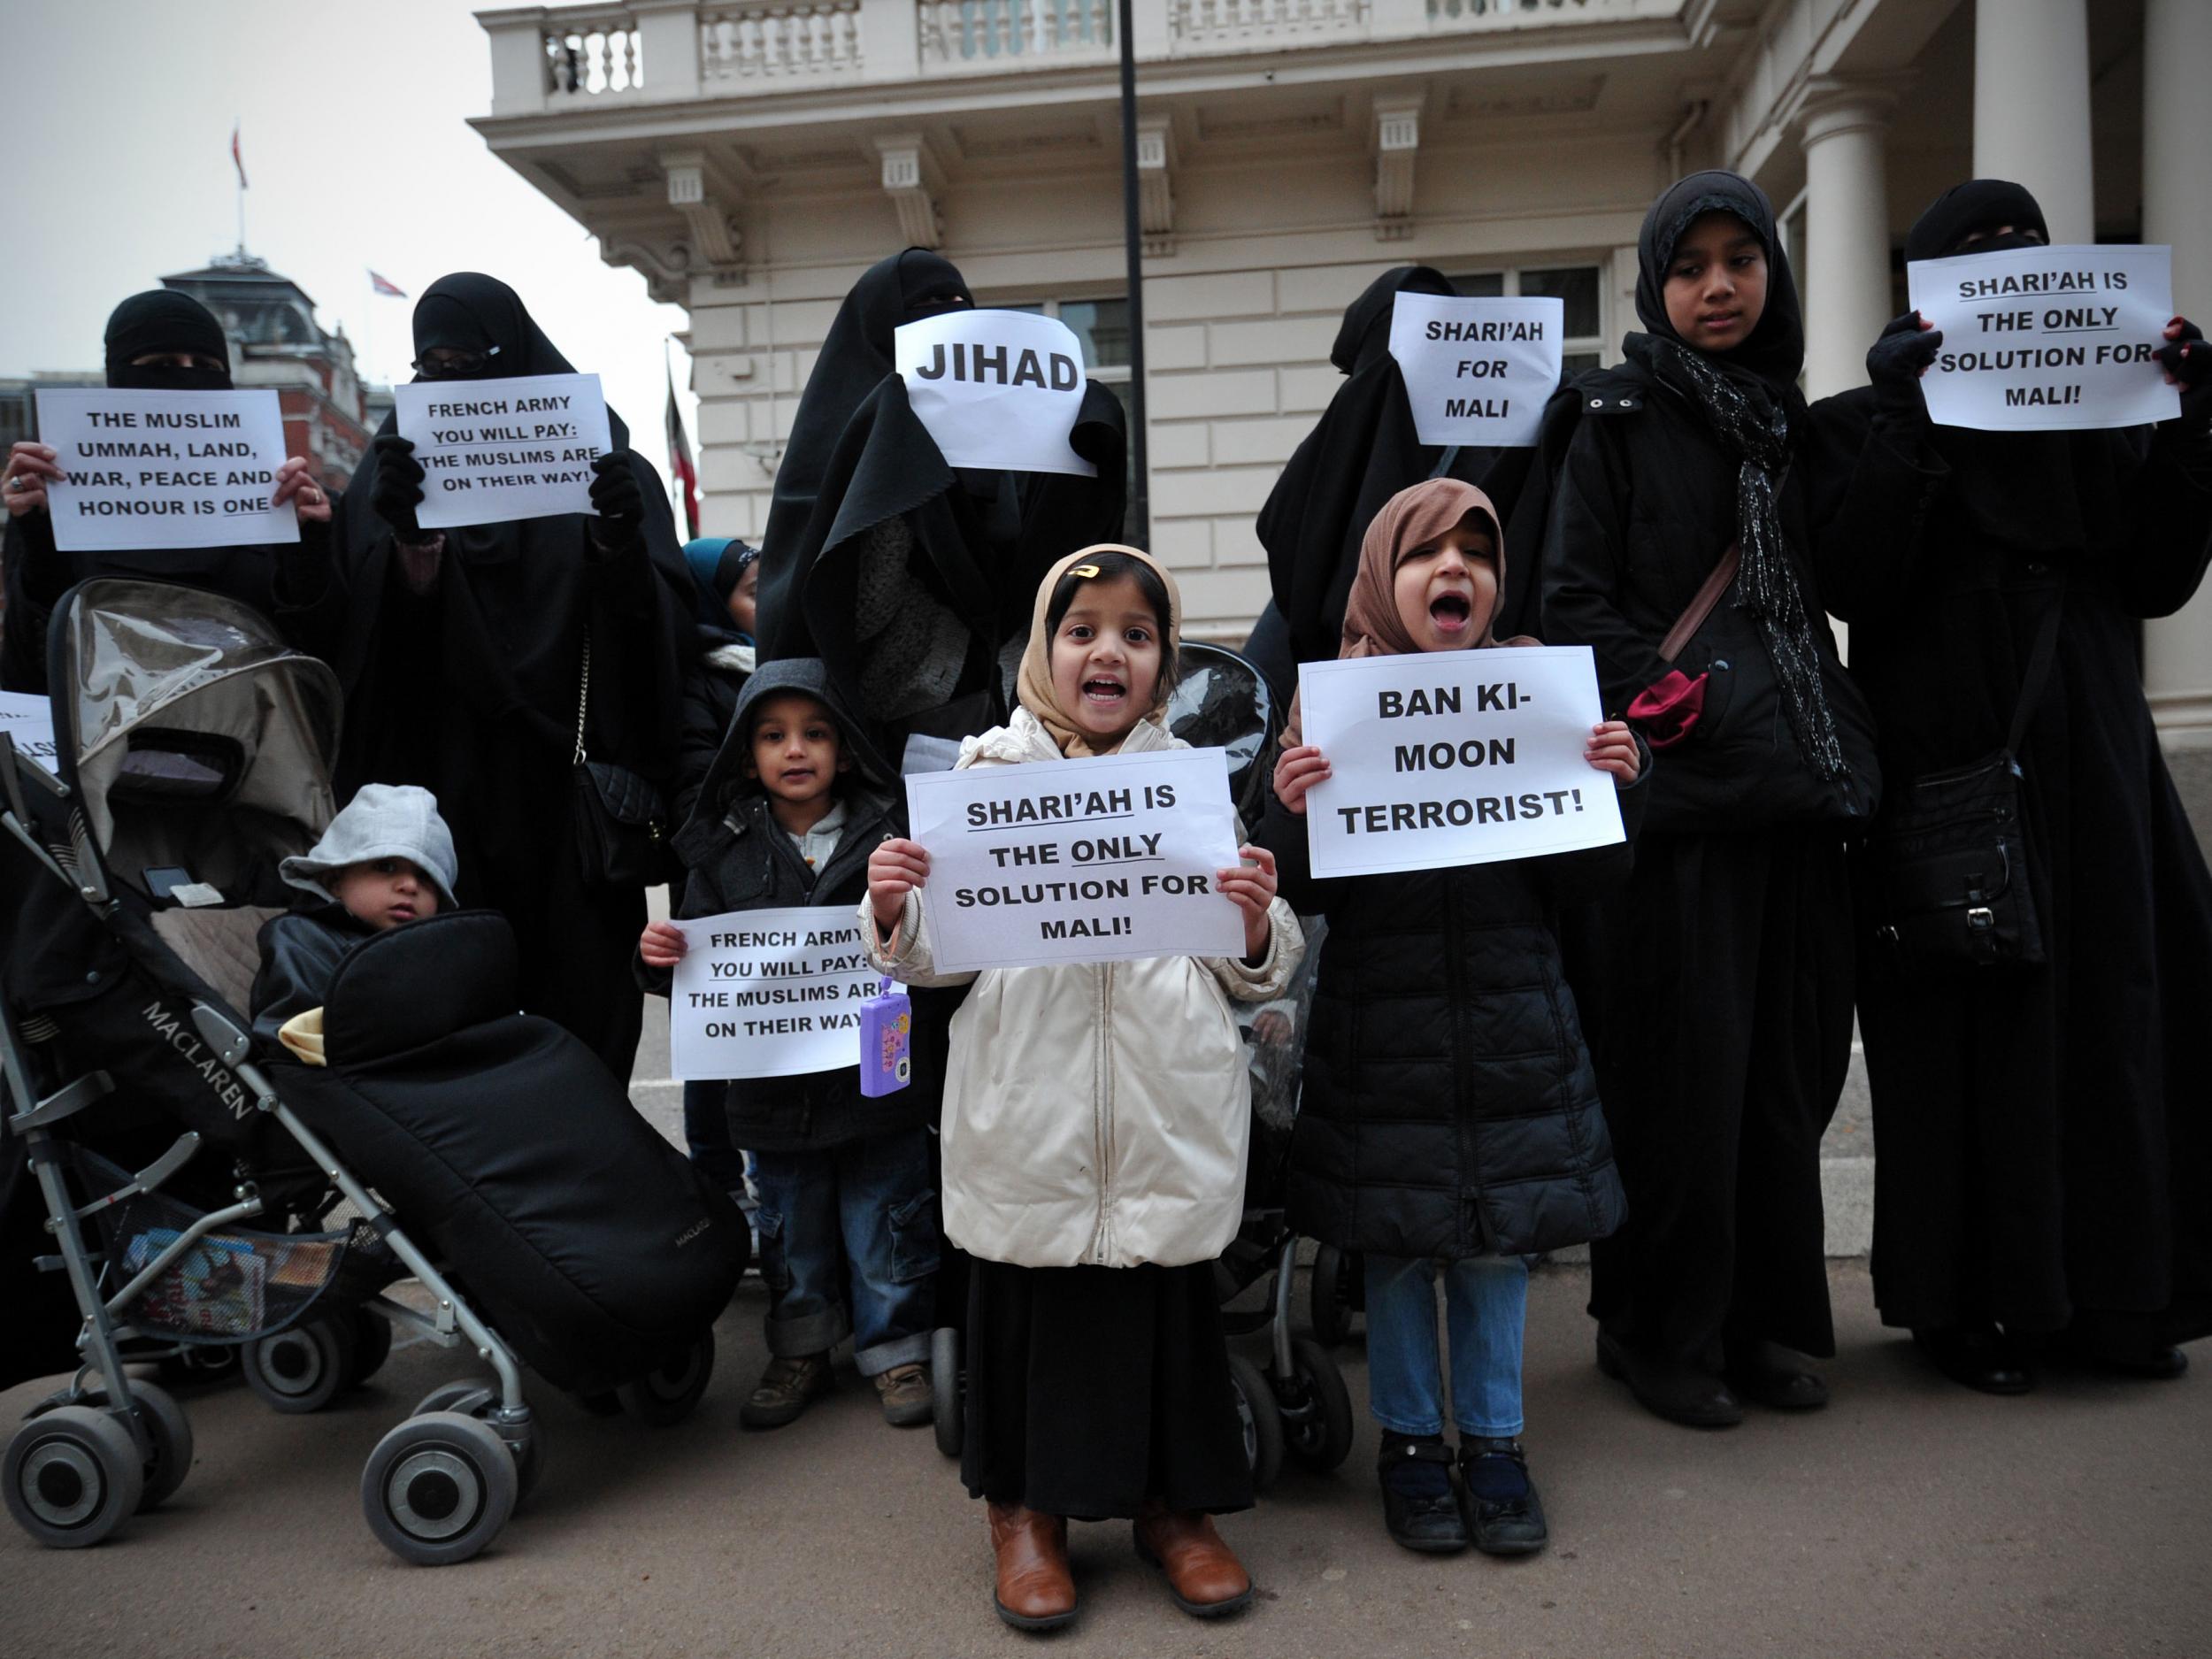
[1450, 1109]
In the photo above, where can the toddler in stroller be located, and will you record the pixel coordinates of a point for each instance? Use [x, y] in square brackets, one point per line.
[193, 751]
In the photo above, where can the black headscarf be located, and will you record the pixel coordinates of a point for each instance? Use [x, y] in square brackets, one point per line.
[1362, 451]
[856, 353]
[1979, 204]
[161, 319]
[1749, 397]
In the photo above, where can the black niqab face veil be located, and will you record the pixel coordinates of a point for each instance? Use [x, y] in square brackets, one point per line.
[1365, 334]
[1979, 204]
[469, 312]
[163, 320]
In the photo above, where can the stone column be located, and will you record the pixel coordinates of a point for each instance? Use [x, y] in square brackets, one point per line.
[2177, 143]
[1846, 232]
[2031, 106]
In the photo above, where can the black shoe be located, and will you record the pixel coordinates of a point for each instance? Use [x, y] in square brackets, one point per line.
[1773, 1375]
[1419, 1510]
[1668, 1388]
[2123, 1348]
[1977, 1356]
[1504, 1516]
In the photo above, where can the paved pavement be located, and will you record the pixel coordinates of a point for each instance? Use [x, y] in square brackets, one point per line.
[1911, 1518]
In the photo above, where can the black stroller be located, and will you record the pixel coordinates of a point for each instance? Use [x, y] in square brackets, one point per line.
[448, 1139]
[1297, 1402]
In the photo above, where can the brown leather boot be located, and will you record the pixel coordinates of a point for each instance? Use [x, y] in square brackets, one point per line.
[1204, 1574]
[1035, 1590]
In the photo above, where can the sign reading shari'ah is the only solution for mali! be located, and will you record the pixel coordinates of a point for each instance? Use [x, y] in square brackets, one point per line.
[492, 451]
[1439, 758]
[165, 469]
[1106, 859]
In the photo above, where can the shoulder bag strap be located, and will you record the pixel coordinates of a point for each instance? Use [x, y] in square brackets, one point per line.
[583, 702]
[2039, 672]
[1702, 604]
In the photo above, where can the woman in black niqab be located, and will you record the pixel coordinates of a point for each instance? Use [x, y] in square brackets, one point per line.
[462, 653]
[159, 341]
[1723, 985]
[908, 578]
[2046, 1133]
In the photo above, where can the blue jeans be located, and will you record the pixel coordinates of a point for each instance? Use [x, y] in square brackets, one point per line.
[848, 1248]
[1485, 1301]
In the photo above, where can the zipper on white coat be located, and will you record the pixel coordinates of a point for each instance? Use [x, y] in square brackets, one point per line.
[1102, 1123]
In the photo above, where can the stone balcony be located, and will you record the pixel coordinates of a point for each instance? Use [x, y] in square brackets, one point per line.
[548, 60]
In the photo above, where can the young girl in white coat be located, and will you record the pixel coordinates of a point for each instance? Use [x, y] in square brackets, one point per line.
[1095, 1124]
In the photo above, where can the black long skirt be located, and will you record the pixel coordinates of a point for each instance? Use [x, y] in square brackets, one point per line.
[1092, 1389]
[1724, 1041]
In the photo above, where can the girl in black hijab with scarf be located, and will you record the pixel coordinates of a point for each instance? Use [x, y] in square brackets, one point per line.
[1726, 984]
[463, 655]
[2046, 1133]
[908, 578]
[158, 341]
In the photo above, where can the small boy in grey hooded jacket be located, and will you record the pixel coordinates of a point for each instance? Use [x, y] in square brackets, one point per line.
[385, 861]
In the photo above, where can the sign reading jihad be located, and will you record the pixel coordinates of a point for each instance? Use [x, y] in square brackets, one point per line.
[2048, 339]
[1477, 372]
[1442, 758]
[997, 390]
[492, 451]
[164, 469]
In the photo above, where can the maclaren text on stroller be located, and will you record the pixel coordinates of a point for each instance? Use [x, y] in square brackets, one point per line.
[194, 751]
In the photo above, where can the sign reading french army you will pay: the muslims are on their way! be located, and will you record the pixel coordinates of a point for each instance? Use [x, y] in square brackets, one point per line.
[492, 451]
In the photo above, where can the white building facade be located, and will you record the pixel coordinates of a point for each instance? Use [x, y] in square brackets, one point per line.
[752, 156]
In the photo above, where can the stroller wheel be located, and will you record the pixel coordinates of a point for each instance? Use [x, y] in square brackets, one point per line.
[470, 1399]
[438, 1488]
[667, 1394]
[73, 1477]
[1262, 1423]
[171, 1433]
[1317, 1427]
[372, 1342]
[303, 1367]
[1331, 1304]
[949, 1384]
[479, 1401]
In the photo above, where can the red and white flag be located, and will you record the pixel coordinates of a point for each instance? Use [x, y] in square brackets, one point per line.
[679, 465]
[237, 160]
[380, 285]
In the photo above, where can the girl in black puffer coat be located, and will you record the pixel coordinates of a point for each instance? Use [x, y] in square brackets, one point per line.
[1450, 1112]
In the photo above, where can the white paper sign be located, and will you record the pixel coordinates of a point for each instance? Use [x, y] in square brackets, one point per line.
[768, 994]
[492, 451]
[29, 721]
[1107, 859]
[2048, 339]
[165, 469]
[996, 390]
[1477, 371]
[1453, 757]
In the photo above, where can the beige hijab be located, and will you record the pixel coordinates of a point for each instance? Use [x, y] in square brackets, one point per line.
[1372, 626]
[1034, 685]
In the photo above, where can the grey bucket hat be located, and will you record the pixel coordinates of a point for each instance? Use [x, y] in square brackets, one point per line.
[383, 820]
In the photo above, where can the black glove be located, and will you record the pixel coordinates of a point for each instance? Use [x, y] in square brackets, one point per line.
[397, 490]
[619, 502]
[2189, 360]
[1896, 361]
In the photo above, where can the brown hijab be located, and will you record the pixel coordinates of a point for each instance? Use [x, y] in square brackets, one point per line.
[1033, 687]
[1372, 626]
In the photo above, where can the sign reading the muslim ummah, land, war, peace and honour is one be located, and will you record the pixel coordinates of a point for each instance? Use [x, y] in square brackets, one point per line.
[29, 721]
[1106, 859]
[492, 451]
[999, 390]
[2048, 339]
[1477, 371]
[164, 469]
[768, 994]
[1441, 758]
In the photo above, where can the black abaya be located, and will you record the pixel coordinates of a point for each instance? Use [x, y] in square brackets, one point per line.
[1092, 1389]
[472, 692]
[2046, 1140]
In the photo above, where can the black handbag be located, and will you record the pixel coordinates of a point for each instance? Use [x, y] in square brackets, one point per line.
[1949, 854]
[622, 830]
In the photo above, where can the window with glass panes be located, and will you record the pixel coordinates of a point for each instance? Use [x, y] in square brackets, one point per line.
[1578, 287]
[1102, 326]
